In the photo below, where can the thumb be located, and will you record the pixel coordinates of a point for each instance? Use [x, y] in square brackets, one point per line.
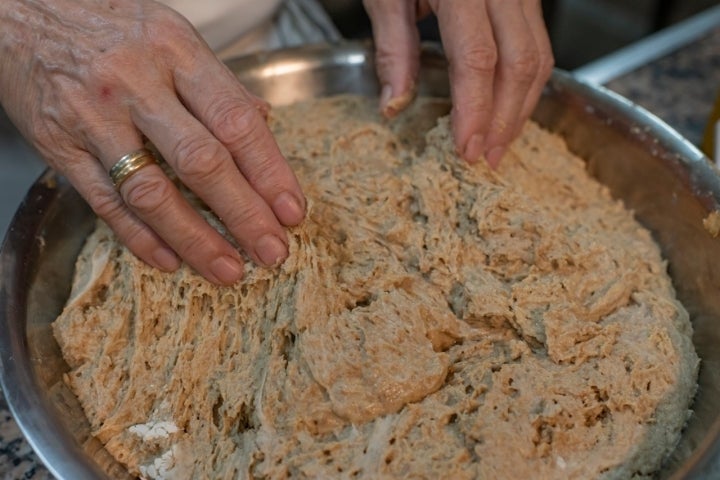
[397, 51]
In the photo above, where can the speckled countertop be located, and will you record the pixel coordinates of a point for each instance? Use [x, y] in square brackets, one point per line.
[680, 88]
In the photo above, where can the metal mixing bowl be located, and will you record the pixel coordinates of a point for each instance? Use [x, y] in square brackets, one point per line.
[668, 183]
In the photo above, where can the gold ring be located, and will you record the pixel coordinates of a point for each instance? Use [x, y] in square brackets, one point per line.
[129, 164]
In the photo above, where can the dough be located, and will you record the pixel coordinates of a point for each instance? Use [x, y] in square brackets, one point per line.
[434, 319]
[712, 223]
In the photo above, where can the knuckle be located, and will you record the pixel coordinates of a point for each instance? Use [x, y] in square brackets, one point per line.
[269, 173]
[105, 202]
[137, 239]
[524, 64]
[249, 219]
[479, 59]
[547, 63]
[236, 123]
[198, 158]
[196, 241]
[147, 194]
[265, 170]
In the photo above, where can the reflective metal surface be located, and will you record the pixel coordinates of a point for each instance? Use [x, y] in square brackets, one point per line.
[664, 179]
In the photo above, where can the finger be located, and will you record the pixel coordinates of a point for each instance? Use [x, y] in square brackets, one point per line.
[397, 52]
[517, 69]
[92, 182]
[262, 106]
[148, 211]
[227, 111]
[155, 201]
[534, 16]
[471, 52]
[206, 167]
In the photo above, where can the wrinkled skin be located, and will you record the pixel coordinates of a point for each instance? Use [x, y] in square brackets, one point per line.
[500, 58]
[87, 81]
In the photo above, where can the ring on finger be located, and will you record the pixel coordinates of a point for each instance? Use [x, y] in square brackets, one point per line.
[129, 164]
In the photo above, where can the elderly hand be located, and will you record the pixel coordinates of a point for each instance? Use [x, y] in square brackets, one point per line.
[86, 81]
[499, 55]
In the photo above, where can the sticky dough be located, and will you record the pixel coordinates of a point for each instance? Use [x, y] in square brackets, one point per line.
[434, 319]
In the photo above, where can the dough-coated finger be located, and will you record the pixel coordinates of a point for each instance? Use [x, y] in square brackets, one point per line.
[156, 202]
[91, 180]
[397, 51]
[206, 166]
[534, 17]
[472, 54]
[90, 97]
[231, 115]
[517, 69]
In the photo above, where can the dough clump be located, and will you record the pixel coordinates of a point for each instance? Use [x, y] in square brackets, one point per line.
[434, 319]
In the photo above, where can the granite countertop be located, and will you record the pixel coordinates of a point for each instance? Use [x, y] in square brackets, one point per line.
[680, 88]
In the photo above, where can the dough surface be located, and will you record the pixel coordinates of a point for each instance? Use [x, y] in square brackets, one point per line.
[434, 320]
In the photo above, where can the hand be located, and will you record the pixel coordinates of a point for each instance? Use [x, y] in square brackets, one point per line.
[499, 56]
[87, 80]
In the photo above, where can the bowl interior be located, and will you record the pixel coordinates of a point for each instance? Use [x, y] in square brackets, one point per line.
[664, 179]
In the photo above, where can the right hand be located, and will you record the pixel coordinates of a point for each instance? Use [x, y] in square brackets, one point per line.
[86, 81]
[499, 57]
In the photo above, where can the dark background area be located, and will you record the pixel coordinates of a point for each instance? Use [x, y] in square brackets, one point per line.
[580, 30]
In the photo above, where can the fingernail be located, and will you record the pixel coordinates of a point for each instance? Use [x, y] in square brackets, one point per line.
[389, 106]
[270, 250]
[385, 96]
[226, 269]
[474, 148]
[494, 155]
[288, 209]
[165, 259]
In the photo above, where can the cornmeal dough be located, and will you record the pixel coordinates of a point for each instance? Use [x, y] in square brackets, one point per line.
[434, 319]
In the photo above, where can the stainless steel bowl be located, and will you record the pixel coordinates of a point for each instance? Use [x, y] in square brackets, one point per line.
[664, 179]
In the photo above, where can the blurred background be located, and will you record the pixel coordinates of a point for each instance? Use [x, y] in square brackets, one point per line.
[583, 30]
[580, 30]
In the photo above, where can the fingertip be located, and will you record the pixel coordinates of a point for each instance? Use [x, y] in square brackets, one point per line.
[474, 148]
[385, 96]
[270, 250]
[289, 209]
[495, 155]
[397, 52]
[163, 258]
[391, 104]
[225, 270]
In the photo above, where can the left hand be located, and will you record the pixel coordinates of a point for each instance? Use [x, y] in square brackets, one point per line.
[499, 58]
[87, 81]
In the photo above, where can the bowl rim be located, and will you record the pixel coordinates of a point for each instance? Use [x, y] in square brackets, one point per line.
[30, 408]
